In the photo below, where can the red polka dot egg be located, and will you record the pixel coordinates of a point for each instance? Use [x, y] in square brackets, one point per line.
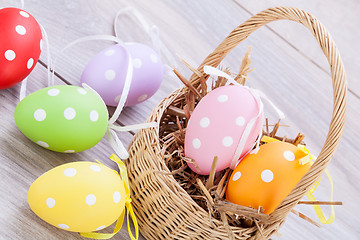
[217, 125]
[20, 45]
[106, 73]
[265, 177]
[78, 196]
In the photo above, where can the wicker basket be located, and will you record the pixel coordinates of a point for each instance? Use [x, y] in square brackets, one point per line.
[163, 208]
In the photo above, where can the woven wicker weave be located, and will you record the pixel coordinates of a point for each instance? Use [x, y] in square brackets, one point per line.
[164, 209]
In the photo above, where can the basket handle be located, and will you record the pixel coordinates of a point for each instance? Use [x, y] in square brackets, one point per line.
[338, 81]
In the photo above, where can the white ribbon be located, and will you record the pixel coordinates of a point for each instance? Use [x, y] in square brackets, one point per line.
[249, 126]
[48, 55]
[23, 89]
[152, 31]
[80, 40]
[48, 59]
[112, 137]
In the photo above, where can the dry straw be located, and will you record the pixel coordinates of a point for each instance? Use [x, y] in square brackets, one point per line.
[164, 209]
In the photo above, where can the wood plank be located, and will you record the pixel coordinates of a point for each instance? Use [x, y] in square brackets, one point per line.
[294, 83]
[339, 17]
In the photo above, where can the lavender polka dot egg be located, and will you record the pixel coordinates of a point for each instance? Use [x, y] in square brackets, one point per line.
[217, 125]
[106, 73]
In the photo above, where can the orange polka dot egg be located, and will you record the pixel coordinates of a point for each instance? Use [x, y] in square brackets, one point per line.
[266, 176]
[78, 197]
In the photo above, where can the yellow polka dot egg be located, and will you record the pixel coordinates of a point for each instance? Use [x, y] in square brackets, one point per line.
[63, 118]
[78, 196]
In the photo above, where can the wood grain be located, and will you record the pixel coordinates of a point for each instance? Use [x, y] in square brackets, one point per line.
[333, 14]
[290, 69]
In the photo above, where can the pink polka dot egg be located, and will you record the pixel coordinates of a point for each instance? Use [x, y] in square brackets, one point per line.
[106, 73]
[20, 45]
[78, 196]
[217, 125]
[63, 118]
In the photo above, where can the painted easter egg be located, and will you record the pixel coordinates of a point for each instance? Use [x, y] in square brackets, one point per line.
[265, 177]
[20, 45]
[216, 127]
[78, 196]
[106, 73]
[63, 118]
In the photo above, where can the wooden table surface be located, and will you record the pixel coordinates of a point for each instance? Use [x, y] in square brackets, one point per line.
[290, 69]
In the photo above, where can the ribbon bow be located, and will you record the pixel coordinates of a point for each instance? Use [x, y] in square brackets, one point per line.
[129, 209]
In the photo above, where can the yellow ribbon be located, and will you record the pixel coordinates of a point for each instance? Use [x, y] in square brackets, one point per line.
[267, 139]
[130, 211]
[317, 208]
[310, 158]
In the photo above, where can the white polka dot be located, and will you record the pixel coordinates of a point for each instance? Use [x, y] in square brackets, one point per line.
[196, 143]
[94, 115]
[267, 175]
[109, 52]
[236, 176]
[63, 226]
[53, 92]
[40, 115]
[154, 58]
[20, 30]
[82, 91]
[24, 14]
[69, 113]
[69, 151]
[10, 55]
[30, 63]
[116, 197]
[50, 202]
[101, 227]
[137, 63]
[70, 172]
[41, 44]
[95, 168]
[227, 141]
[110, 74]
[222, 98]
[43, 144]
[288, 155]
[90, 199]
[117, 99]
[240, 121]
[142, 97]
[204, 122]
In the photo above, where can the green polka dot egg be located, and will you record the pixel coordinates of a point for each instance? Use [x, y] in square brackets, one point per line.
[63, 118]
[78, 196]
